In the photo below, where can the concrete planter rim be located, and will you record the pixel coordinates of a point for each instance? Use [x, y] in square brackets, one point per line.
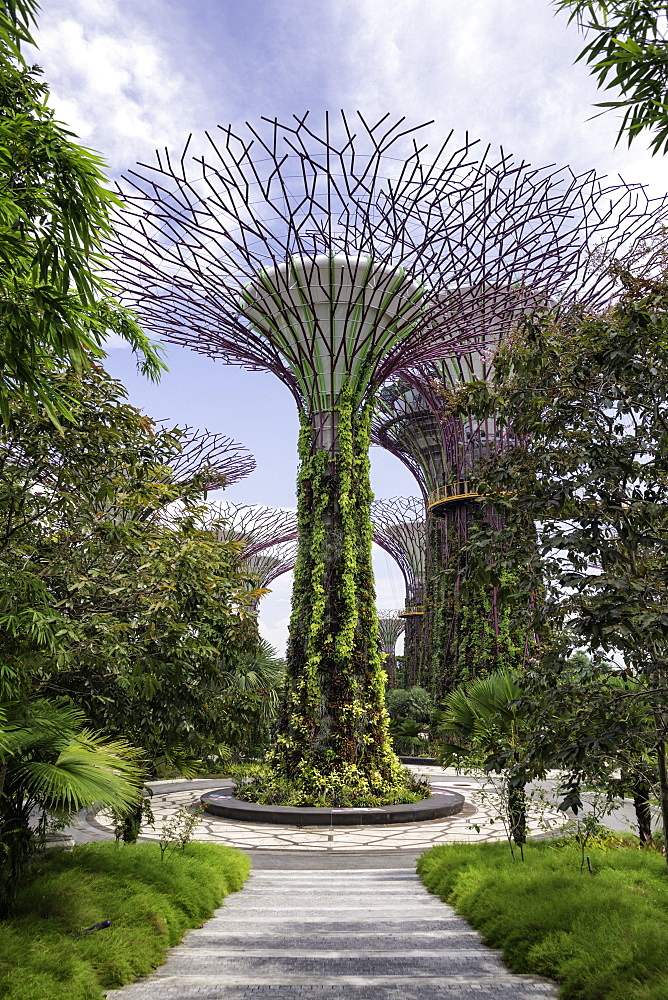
[222, 802]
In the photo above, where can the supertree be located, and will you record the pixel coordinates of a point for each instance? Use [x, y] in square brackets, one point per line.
[337, 260]
[256, 528]
[458, 638]
[214, 460]
[469, 627]
[266, 565]
[390, 627]
[399, 527]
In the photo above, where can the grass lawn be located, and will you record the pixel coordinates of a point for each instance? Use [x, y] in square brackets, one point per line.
[602, 936]
[150, 904]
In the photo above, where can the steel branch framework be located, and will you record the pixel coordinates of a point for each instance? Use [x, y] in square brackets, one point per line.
[226, 250]
[399, 527]
[215, 459]
[407, 426]
[267, 565]
[257, 527]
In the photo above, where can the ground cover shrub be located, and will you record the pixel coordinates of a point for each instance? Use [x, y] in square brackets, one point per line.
[602, 935]
[258, 783]
[149, 902]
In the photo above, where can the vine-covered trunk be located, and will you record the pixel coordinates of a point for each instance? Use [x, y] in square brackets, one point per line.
[470, 629]
[413, 649]
[391, 669]
[333, 730]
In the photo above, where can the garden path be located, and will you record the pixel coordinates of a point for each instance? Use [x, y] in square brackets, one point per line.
[364, 934]
[478, 821]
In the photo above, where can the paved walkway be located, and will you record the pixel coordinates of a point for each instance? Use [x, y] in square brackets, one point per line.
[369, 934]
[478, 821]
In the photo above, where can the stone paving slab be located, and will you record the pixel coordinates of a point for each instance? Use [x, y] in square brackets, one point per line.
[337, 940]
[372, 934]
[476, 822]
[424, 989]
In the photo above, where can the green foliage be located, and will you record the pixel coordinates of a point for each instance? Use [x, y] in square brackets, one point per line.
[414, 703]
[259, 783]
[55, 207]
[150, 905]
[104, 597]
[410, 712]
[490, 720]
[602, 936]
[51, 764]
[627, 50]
[178, 831]
[250, 695]
[333, 729]
[476, 624]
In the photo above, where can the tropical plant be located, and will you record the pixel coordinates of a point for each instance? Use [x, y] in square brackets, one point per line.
[51, 763]
[627, 51]
[487, 716]
[112, 592]
[251, 687]
[410, 703]
[56, 308]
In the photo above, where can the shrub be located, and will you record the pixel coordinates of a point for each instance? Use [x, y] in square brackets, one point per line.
[150, 904]
[603, 936]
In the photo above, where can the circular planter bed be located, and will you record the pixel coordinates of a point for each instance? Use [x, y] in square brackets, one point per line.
[222, 802]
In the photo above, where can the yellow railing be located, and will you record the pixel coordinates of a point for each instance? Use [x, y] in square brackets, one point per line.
[453, 493]
[411, 609]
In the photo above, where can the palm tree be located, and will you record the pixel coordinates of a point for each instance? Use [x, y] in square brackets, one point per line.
[488, 716]
[51, 765]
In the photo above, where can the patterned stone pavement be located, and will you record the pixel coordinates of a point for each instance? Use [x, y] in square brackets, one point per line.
[478, 821]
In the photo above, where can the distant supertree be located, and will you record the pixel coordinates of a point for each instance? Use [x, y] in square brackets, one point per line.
[267, 565]
[258, 528]
[338, 259]
[214, 460]
[390, 627]
[399, 527]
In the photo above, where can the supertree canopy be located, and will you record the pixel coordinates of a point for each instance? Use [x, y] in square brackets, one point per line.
[406, 425]
[266, 565]
[256, 528]
[390, 627]
[399, 527]
[214, 460]
[338, 258]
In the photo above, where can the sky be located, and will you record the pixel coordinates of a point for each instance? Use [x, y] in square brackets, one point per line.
[128, 78]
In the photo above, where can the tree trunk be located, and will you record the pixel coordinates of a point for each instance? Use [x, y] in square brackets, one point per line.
[641, 791]
[663, 792]
[517, 815]
[333, 731]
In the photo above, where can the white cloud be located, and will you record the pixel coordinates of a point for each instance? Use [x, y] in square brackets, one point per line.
[113, 80]
[502, 70]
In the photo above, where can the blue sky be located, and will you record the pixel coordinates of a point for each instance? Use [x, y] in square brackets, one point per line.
[130, 77]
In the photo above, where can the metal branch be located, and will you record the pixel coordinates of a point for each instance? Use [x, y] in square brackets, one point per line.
[257, 527]
[217, 460]
[399, 527]
[225, 252]
[267, 565]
